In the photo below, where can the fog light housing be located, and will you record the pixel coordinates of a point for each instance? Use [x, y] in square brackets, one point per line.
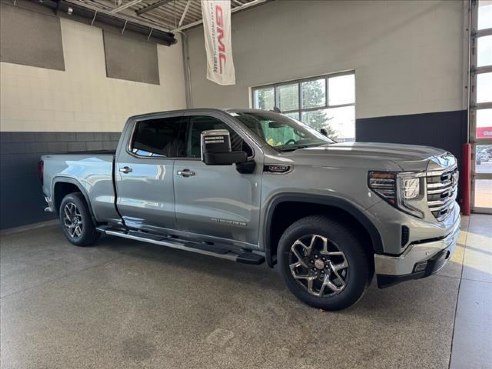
[420, 267]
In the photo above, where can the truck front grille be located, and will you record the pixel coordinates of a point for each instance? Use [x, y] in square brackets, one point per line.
[442, 189]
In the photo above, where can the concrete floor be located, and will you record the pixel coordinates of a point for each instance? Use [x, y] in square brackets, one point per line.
[129, 305]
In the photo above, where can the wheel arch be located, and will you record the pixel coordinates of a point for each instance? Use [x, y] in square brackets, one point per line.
[62, 186]
[276, 222]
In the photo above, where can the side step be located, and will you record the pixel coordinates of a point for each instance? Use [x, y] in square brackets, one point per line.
[218, 252]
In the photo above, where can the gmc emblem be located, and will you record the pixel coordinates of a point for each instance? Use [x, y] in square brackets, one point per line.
[219, 18]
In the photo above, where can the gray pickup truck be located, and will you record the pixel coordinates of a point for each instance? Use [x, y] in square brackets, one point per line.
[253, 186]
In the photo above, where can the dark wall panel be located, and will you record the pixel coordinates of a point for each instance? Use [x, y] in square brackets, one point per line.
[30, 38]
[130, 59]
[21, 198]
[446, 130]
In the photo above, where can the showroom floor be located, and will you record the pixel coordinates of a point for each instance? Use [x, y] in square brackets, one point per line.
[129, 305]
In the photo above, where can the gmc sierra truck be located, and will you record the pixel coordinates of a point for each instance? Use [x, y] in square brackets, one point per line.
[254, 186]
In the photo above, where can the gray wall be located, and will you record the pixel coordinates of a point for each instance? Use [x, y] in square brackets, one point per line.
[407, 55]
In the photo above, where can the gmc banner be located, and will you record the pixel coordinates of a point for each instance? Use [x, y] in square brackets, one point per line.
[217, 29]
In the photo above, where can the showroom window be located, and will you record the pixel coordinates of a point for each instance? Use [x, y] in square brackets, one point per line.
[324, 102]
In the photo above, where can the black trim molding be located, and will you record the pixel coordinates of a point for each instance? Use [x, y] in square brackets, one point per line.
[334, 202]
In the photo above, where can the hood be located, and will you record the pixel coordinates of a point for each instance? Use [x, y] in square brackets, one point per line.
[406, 157]
[395, 152]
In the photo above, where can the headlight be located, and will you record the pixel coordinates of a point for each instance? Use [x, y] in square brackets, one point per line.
[384, 184]
[400, 189]
[410, 188]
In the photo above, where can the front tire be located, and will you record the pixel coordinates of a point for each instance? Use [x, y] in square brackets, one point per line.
[76, 220]
[322, 264]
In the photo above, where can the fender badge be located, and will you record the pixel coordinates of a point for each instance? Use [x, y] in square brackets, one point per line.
[276, 168]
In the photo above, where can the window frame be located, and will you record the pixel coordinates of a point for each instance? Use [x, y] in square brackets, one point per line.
[129, 145]
[186, 116]
[299, 82]
[189, 127]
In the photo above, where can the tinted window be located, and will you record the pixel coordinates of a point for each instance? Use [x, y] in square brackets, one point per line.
[198, 124]
[160, 137]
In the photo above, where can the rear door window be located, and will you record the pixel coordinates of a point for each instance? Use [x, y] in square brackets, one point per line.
[163, 137]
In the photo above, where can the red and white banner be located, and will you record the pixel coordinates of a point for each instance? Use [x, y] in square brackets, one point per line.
[217, 29]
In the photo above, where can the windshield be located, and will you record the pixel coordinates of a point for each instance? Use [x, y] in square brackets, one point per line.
[281, 132]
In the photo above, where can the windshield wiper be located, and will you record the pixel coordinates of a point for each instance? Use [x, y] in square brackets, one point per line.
[296, 147]
[301, 146]
[292, 148]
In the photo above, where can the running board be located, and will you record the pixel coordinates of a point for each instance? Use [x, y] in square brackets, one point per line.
[244, 257]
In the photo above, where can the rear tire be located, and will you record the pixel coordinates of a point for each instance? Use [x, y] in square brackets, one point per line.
[76, 220]
[323, 264]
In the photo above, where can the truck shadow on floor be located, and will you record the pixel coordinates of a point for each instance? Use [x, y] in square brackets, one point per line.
[418, 293]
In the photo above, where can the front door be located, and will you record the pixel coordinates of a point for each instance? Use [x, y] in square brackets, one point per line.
[216, 200]
[144, 173]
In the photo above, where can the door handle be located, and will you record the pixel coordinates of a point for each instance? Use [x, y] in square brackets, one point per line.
[186, 173]
[126, 170]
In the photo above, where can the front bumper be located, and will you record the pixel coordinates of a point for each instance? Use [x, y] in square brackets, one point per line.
[418, 261]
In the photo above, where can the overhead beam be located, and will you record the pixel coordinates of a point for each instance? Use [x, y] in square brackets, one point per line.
[151, 19]
[120, 16]
[153, 6]
[234, 10]
[124, 6]
[78, 11]
[184, 13]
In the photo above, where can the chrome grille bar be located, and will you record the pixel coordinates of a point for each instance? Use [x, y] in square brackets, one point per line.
[442, 189]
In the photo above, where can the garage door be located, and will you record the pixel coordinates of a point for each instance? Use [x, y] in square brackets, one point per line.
[481, 105]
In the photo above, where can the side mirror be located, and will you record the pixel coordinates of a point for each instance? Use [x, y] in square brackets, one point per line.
[324, 132]
[216, 148]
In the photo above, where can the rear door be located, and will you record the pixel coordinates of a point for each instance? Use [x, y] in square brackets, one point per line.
[144, 172]
[216, 201]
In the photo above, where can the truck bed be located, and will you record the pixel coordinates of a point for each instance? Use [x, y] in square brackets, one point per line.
[91, 171]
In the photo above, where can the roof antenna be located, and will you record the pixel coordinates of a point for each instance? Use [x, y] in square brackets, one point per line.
[276, 109]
